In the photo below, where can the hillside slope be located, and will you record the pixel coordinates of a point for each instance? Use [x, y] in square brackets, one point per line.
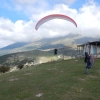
[61, 80]
[70, 40]
[34, 55]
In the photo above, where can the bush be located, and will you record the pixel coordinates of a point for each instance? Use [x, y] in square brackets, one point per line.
[20, 66]
[4, 69]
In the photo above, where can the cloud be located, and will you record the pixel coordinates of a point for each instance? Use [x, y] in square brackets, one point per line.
[87, 18]
[6, 24]
[4, 43]
[15, 32]
[27, 2]
[30, 6]
[33, 2]
[68, 2]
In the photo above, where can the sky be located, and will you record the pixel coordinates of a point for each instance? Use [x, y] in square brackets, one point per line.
[19, 17]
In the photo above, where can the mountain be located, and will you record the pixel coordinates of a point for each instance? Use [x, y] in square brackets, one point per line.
[35, 56]
[14, 45]
[70, 40]
[84, 39]
[21, 53]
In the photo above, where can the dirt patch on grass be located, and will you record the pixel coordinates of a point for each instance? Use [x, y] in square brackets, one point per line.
[77, 89]
[28, 74]
[82, 79]
[98, 71]
[13, 79]
[91, 76]
[87, 77]
[52, 69]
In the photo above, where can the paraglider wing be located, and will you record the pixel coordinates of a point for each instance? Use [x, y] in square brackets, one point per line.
[54, 16]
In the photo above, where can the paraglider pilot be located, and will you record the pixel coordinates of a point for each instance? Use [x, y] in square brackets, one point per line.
[55, 51]
[87, 61]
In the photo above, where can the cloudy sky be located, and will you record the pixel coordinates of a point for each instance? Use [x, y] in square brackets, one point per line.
[19, 17]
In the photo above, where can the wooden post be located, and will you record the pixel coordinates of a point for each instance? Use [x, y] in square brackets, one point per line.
[77, 49]
[96, 50]
[89, 49]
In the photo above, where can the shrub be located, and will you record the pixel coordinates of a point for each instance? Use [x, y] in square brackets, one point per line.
[4, 69]
[20, 66]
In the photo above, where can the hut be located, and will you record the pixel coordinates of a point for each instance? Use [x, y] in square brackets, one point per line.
[93, 48]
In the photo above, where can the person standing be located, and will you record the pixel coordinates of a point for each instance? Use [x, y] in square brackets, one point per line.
[55, 51]
[87, 62]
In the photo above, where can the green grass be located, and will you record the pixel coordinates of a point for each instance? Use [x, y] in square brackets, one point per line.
[61, 80]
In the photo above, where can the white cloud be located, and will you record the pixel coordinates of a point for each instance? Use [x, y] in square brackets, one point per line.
[27, 2]
[4, 43]
[6, 24]
[87, 18]
[15, 32]
[32, 2]
[68, 2]
[30, 6]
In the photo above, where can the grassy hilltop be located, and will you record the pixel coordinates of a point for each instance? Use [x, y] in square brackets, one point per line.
[60, 80]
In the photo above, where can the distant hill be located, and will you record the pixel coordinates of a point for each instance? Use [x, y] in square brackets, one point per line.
[84, 39]
[14, 45]
[44, 40]
[70, 40]
[34, 56]
[51, 46]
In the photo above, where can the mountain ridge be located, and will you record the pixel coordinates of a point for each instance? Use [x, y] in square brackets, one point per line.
[70, 40]
[14, 45]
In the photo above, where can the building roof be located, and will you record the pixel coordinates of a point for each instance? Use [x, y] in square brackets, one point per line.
[91, 43]
[95, 42]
